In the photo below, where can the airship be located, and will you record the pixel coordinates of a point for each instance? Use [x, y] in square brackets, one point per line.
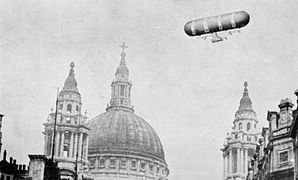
[211, 26]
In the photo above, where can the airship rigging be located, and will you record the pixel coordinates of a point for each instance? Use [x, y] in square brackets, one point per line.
[217, 28]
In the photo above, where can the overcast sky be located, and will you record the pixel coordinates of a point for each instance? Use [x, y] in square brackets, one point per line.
[186, 88]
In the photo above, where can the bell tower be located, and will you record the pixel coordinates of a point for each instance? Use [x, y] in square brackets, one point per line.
[241, 142]
[66, 140]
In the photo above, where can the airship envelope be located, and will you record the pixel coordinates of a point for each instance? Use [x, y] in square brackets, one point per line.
[215, 24]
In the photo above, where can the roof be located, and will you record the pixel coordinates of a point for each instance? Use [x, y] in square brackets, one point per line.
[122, 132]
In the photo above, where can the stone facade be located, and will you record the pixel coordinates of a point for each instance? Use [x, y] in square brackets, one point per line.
[294, 135]
[274, 157]
[71, 135]
[241, 142]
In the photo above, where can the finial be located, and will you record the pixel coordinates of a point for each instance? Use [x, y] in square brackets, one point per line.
[245, 86]
[72, 65]
[71, 71]
[123, 54]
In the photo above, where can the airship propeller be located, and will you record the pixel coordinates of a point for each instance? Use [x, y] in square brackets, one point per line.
[217, 28]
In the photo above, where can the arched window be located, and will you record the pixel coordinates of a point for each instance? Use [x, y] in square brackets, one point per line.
[248, 126]
[68, 108]
[77, 108]
[61, 106]
[240, 126]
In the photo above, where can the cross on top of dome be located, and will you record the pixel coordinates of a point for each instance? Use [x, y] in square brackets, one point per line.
[123, 54]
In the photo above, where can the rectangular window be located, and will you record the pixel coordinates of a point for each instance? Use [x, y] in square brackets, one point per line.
[143, 166]
[101, 163]
[157, 170]
[133, 164]
[123, 163]
[283, 157]
[112, 163]
[92, 162]
[151, 167]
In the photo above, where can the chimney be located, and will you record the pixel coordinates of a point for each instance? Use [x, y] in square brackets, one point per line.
[10, 160]
[286, 103]
[4, 155]
[24, 167]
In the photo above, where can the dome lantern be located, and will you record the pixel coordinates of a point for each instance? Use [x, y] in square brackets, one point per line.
[121, 87]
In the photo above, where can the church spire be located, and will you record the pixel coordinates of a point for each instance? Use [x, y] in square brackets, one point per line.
[245, 102]
[70, 83]
[121, 87]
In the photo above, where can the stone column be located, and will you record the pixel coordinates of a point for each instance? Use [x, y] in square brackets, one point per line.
[70, 145]
[224, 166]
[246, 162]
[75, 145]
[238, 160]
[62, 144]
[230, 161]
[86, 146]
[57, 143]
[241, 161]
[45, 148]
[80, 145]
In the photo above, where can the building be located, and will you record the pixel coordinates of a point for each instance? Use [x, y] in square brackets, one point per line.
[280, 152]
[42, 168]
[122, 145]
[294, 135]
[10, 170]
[241, 142]
[66, 139]
[274, 156]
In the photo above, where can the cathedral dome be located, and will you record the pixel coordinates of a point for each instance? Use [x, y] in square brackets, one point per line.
[122, 144]
[122, 132]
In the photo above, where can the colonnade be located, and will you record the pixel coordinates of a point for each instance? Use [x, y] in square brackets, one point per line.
[78, 142]
[241, 162]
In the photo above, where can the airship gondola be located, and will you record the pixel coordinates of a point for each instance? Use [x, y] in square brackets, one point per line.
[211, 26]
